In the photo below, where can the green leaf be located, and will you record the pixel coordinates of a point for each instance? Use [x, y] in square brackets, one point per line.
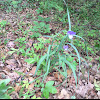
[34, 97]
[39, 72]
[46, 93]
[11, 90]
[35, 35]
[27, 50]
[21, 50]
[3, 88]
[98, 89]
[5, 96]
[53, 90]
[40, 62]
[69, 20]
[14, 49]
[30, 60]
[42, 24]
[36, 23]
[6, 81]
[67, 62]
[11, 52]
[49, 83]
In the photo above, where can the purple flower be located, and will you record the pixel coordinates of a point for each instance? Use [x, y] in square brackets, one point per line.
[71, 34]
[65, 47]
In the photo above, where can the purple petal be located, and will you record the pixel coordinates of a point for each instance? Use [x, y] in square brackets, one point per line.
[65, 47]
[71, 33]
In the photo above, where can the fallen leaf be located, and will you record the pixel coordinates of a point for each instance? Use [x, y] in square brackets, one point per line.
[64, 95]
[17, 88]
[69, 72]
[98, 94]
[1, 64]
[33, 70]
[31, 86]
[58, 76]
[83, 89]
[50, 78]
[2, 46]
[11, 44]
[9, 67]
[30, 42]
[13, 76]
[11, 62]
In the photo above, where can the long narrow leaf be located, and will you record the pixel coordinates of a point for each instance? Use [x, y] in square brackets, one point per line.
[73, 70]
[68, 16]
[39, 63]
[77, 56]
[69, 20]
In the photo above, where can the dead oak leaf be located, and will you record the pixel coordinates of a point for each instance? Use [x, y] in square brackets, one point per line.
[82, 90]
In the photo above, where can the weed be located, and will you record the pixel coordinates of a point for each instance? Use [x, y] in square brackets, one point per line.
[4, 89]
[49, 88]
[21, 41]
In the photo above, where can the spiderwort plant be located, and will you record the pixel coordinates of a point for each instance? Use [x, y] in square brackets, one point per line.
[55, 58]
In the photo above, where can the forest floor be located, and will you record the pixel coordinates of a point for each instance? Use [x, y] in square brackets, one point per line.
[85, 89]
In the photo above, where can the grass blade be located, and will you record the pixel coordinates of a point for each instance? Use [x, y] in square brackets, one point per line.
[77, 56]
[69, 20]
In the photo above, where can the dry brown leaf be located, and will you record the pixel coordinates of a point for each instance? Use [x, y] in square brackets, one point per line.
[83, 89]
[58, 76]
[30, 42]
[33, 70]
[2, 46]
[1, 64]
[49, 78]
[17, 88]
[9, 67]
[13, 76]
[69, 72]
[98, 94]
[31, 86]
[11, 62]
[64, 95]
[11, 44]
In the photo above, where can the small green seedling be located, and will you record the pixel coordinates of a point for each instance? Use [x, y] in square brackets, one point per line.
[49, 88]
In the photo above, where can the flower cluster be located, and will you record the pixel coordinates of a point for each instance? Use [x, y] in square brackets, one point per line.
[70, 35]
